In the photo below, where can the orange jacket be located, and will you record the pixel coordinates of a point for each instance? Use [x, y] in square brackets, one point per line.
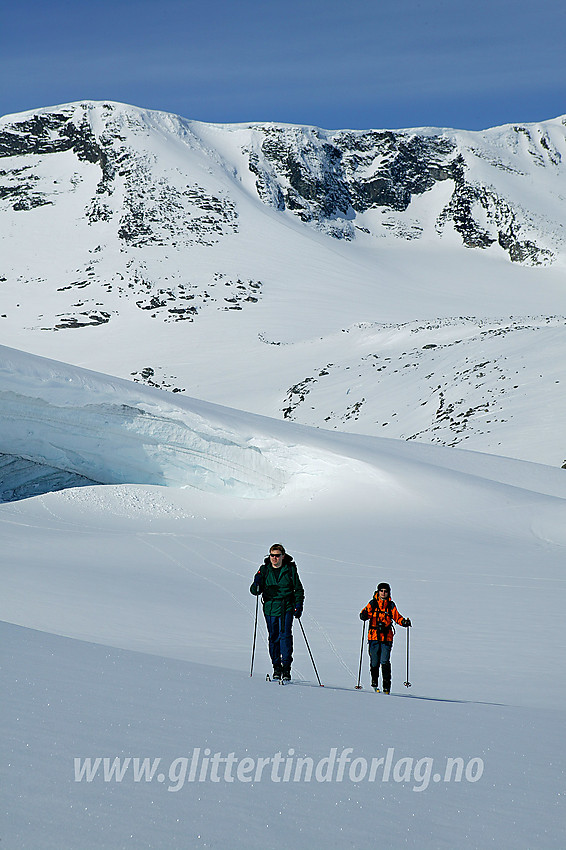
[381, 613]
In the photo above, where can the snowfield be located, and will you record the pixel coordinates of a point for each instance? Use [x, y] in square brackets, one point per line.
[130, 718]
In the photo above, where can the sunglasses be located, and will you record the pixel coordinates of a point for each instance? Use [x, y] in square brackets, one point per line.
[276, 554]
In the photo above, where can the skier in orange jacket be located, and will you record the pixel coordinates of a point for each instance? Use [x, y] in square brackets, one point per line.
[381, 612]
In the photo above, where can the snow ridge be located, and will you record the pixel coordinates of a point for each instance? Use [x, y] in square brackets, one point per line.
[68, 420]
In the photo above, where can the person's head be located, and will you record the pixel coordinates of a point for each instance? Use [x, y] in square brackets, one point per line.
[383, 590]
[276, 553]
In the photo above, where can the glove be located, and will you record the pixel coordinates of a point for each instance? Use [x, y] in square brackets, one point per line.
[256, 584]
[406, 622]
[364, 615]
[298, 611]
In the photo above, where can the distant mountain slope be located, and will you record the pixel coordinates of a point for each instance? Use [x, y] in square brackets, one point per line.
[330, 179]
[264, 266]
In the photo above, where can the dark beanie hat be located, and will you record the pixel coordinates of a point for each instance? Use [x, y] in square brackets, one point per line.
[383, 586]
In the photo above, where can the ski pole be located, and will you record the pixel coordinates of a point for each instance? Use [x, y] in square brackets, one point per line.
[358, 686]
[255, 632]
[310, 653]
[407, 683]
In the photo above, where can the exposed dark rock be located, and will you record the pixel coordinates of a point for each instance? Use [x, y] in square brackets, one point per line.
[325, 179]
[148, 376]
[296, 396]
[84, 320]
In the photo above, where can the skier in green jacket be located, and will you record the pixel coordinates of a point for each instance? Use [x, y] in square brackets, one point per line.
[278, 581]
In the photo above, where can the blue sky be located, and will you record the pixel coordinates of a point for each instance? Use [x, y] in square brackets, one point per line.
[348, 64]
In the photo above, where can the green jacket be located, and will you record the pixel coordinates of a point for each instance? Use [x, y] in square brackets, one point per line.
[281, 589]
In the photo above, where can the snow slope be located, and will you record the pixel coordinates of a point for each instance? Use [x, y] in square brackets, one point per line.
[127, 630]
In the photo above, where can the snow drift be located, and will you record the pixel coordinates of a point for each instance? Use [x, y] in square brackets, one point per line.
[114, 432]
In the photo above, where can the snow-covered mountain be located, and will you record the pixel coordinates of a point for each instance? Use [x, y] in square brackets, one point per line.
[501, 187]
[405, 283]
